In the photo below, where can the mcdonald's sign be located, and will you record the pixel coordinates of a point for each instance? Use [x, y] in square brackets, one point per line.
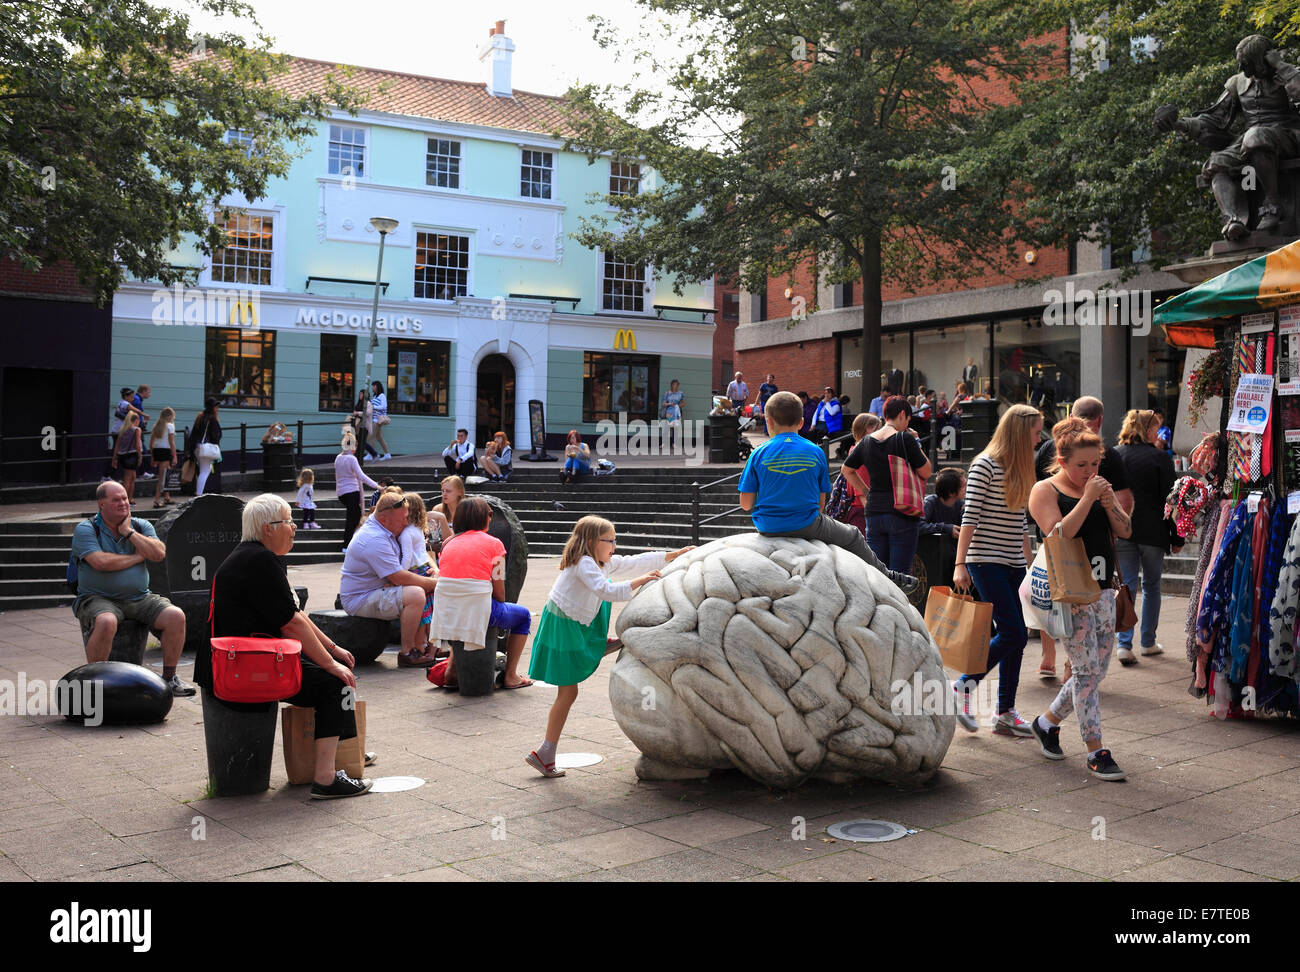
[242, 310]
[625, 339]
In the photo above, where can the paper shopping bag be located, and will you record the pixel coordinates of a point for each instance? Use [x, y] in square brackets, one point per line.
[1069, 571]
[298, 726]
[960, 626]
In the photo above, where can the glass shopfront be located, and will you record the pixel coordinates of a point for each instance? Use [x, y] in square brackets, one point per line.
[1037, 365]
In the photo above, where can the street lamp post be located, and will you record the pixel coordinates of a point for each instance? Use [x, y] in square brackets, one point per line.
[384, 226]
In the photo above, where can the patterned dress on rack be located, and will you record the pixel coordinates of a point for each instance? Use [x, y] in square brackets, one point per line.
[1282, 612]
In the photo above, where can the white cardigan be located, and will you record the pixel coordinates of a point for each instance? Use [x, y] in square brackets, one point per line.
[579, 589]
[462, 609]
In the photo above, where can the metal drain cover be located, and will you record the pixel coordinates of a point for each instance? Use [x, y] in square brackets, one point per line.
[574, 760]
[396, 784]
[867, 831]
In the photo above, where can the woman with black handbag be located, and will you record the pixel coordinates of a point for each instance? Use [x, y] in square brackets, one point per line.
[1085, 507]
[251, 598]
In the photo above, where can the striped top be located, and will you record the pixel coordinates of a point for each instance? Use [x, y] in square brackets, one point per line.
[999, 532]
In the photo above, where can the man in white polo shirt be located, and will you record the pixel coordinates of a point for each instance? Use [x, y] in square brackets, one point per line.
[374, 585]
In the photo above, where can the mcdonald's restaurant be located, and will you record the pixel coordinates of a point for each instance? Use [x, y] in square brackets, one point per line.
[472, 363]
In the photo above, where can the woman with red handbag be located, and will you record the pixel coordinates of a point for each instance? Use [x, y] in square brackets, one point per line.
[252, 599]
[893, 526]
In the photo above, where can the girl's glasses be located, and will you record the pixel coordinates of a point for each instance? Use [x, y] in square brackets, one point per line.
[612, 543]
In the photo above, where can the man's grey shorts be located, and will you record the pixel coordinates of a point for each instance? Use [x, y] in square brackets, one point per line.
[145, 610]
[385, 603]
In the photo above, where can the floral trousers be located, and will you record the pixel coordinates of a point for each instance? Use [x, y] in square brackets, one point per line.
[1089, 648]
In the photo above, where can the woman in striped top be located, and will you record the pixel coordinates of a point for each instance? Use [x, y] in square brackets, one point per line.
[993, 553]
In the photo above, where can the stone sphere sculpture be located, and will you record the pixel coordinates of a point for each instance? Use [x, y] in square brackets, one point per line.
[776, 656]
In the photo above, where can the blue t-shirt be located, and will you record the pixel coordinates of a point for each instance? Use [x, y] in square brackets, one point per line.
[789, 474]
[117, 585]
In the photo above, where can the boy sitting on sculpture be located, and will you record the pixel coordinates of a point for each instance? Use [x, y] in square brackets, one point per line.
[786, 483]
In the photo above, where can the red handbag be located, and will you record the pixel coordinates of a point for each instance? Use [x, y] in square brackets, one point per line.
[253, 669]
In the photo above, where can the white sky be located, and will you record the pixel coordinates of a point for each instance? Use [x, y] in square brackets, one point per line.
[553, 39]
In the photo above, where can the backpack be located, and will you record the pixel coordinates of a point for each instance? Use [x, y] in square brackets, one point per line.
[838, 505]
[72, 577]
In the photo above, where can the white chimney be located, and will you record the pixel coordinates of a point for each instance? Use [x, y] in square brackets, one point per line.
[496, 52]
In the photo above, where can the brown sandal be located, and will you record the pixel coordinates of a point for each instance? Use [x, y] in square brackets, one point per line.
[413, 660]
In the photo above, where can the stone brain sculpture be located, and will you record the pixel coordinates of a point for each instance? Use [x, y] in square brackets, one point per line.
[775, 656]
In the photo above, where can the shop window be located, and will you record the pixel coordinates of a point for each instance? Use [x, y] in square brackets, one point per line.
[338, 366]
[239, 369]
[418, 377]
[622, 284]
[535, 172]
[1038, 365]
[617, 383]
[947, 356]
[441, 266]
[442, 164]
[245, 258]
[347, 152]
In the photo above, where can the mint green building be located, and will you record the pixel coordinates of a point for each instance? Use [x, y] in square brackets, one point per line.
[486, 301]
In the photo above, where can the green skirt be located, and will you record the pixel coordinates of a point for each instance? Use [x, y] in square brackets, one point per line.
[565, 652]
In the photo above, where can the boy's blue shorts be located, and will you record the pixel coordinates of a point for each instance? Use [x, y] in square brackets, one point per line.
[515, 618]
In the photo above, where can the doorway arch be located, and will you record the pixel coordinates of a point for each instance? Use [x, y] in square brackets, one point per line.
[495, 398]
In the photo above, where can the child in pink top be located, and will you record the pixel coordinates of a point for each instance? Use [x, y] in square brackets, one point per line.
[474, 554]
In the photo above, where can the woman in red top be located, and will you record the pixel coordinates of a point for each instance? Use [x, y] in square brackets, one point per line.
[863, 425]
[474, 554]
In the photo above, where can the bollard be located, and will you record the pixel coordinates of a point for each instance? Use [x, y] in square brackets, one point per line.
[243, 448]
[695, 513]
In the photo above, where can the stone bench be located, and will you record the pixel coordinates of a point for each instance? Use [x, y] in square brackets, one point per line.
[366, 638]
[128, 643]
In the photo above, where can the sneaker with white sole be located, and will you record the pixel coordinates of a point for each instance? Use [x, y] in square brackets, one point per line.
[1009, 723]
[1049, 740]
[1156, 649]
[343, 786]
[179, 688]
[1104, 768]
[386, 456]
[965, 713]
[1126, 656]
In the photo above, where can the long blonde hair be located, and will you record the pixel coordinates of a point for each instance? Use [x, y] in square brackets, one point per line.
[1136, 424]
[1013, 450]
[585, 534]
[160, 427]
[415, 512]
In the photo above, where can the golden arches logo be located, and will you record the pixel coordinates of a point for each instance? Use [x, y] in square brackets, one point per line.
[625, 339]
[241, 311]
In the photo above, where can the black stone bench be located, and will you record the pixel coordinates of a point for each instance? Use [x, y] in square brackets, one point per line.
[128, 642]
[366, 638]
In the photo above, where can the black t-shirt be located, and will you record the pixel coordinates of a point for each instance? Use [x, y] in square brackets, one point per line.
[1150, 476]
[1111, 469]
[252, 598]
[1095, 534]
[874, 454]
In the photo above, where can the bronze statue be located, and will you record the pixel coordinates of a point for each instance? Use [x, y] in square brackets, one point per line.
[1264, 94]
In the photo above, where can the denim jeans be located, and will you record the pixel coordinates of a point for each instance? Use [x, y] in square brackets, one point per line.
[1152, 561]
[999, 585]
[576, 467]
[893, 537]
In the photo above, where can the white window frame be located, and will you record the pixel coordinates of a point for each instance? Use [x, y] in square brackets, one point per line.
[636, 191]
[364, 174]
[279, 246]
[471, 250]
[648, 292]
[238, 135]
[462, 167]
[555, 158]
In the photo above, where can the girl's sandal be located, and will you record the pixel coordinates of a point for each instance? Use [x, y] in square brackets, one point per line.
[413, 660]
[546, 769]
[1046, 673]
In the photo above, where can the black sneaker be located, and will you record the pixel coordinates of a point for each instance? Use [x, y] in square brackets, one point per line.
[1103, 767]
[906, 583]
[1050, 741]
[343, 786]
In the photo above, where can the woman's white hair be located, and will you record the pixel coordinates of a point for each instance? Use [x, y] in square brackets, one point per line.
[261, 510]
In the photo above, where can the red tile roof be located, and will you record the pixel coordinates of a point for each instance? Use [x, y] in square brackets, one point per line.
[466, 102]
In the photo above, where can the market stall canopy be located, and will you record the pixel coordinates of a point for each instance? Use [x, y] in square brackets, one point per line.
[1270, 281]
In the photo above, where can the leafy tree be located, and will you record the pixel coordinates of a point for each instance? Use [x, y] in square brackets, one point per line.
[798, 130]
[113, 122]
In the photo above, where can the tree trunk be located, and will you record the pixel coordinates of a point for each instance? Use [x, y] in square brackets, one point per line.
[871, 314]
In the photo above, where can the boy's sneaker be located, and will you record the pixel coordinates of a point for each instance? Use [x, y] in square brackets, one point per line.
[1156, 649]
[343, 786]
[1009, 723]
[906, 583]
[964, 714]
[1049, 741]
[1103, 767]
[179, 688]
